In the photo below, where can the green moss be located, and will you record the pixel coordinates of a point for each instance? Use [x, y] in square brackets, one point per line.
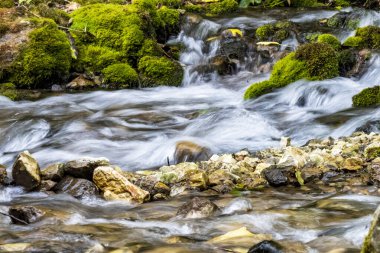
[265, 31]
[6, 3]
[223, 7]
[341, 3]
[315, 61]
[150, 48]
[95, 58]
[321, 60]
[370, 36]
[160, 71]
[59, 16]
[167, 21]
[45, 60]
[122, 75]
[347, 61]
[312, 37]
[194, 8]
[8, 90]
[329, 39]
[367, 97]
[354, 41]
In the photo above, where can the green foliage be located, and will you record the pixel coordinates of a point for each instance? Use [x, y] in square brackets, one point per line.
[223, 7]
[6, 4]
[8, 90]
[121, 74]
[246, 3]
[329, 39]
[46, 59]
[367, 97]
[194, 8]
[315, 61]
[160, 71]
[304, 3]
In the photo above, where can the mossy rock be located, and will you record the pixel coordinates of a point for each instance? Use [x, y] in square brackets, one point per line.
[367, 97]
[277, 32]
[314, 61]
[305, 3]
[95, 58]
[45, 60]
[120, 75]
[329, 39]
[223, 7]
[8, 90]
[150, 48]
[7, 3]
[365, 37]
[160, 71]
[59, 16]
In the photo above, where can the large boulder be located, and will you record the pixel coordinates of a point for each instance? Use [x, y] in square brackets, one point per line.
[115, 186]
[197, 208]
[77, 187]
[372, 241]
[25, 214]
[26, 171]
[84, 168]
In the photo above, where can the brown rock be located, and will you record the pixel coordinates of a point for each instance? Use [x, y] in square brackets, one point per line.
[26, 171]
[25, 214]
[187, 151]
[54, 172]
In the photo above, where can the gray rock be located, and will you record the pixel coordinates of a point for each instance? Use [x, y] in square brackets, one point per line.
[84, 168]
[275, 177]
[77, 187]
[26, 171]
[25, 214]
[197, 208]
[266, 247]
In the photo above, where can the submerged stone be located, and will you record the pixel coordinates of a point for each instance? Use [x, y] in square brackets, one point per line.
[77, 187]
[25, 214]
[197, 208]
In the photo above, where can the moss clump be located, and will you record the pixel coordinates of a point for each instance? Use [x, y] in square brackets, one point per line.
[160, 71]
[265, 31]
[354, 41]
[59, 16]
[370, 36]
[45, 60]
[150, 48]
[8, 90]
[223, 7]
[121, 75]
[315, 61]
[167, 20]
[329, 39]
[6, 4]
[95, 58]
[304, 3]
[278, 31]
[367, 97]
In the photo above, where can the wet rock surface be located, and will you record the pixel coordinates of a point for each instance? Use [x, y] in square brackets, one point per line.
[76, 187]
[84, 168]
[22, 215]
[26, 171]
[197, 208]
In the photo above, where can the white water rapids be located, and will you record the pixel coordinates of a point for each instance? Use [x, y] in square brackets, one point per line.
[139, 128]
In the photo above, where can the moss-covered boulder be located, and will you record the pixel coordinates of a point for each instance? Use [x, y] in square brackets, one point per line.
[8, 90]
[314, 61]
[120, 75]
[367, 97]
[160, 71]
[277, 32]
[365, 37]
[222, 7]
[45, 60]
[329, 39]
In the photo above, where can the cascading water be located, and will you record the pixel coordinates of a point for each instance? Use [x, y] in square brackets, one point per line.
[139, 129]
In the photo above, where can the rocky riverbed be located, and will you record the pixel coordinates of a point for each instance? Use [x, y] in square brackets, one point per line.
[318, 174]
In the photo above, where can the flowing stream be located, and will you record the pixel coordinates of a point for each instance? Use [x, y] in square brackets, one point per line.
[139, 129]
